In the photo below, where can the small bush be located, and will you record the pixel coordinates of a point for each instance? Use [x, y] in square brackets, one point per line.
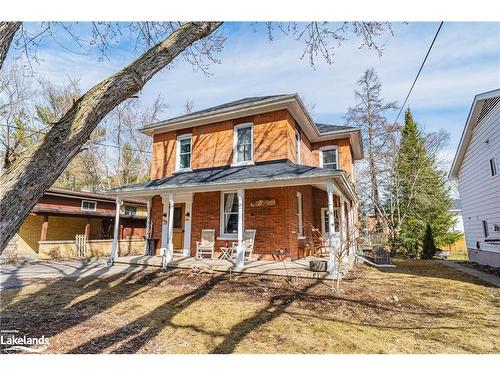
[429, 247]
[55, 253]
[11, 258]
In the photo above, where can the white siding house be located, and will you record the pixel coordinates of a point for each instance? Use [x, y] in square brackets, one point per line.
[476, 167]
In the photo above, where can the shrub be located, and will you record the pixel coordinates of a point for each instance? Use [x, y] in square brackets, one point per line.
[55, 253]
[429, 247]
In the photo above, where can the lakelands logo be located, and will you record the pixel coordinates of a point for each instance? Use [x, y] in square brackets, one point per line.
[12, 341]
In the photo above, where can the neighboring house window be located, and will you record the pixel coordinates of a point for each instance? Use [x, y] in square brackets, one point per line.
[130, 210]
[89, 205]
[183, 152]
[229, 213]
[485, 229]
[326, 222]
[300, 221]
[243, 144]
[297, 147]
[493, 167]
[328, 157]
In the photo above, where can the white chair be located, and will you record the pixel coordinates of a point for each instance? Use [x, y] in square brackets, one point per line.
[207, 244]
[248, 244]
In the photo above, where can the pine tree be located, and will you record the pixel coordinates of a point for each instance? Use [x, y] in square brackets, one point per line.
[420, 191]
[428, 247]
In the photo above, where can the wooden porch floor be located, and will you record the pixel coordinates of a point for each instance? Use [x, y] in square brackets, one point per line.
[298, 268]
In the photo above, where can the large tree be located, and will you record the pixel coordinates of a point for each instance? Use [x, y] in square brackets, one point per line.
[24, 181]
[419, 193]
[369, 114]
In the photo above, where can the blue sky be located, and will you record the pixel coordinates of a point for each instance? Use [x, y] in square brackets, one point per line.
[465, 61]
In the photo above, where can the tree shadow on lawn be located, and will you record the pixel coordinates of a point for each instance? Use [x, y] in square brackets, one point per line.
[32, 315]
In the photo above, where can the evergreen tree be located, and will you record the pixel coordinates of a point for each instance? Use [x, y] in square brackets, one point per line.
[420, 191]
[428, 247]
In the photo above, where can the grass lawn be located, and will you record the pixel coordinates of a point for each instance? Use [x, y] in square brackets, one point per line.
[419, 307]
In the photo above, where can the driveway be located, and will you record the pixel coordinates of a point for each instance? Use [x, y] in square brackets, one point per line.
[12, 276]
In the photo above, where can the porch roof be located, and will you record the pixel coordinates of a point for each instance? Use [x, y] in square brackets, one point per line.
[263, 172]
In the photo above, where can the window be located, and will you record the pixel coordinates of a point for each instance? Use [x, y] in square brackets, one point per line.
[297, 147]
[177, 217]
[485, 229]
[325, 220]
[243, 144]
[89, 205]
[328, 158]
[300, 221]
[229, 215]
[493, 167]
[130, 210]
[183, 160]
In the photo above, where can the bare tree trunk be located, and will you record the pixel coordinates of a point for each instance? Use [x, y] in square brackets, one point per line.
[7, 31]
[36, 170]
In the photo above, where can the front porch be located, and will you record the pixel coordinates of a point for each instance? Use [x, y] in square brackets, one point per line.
[297, 268]
[281, 202]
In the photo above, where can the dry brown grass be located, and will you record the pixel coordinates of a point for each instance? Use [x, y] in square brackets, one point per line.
[419, 307]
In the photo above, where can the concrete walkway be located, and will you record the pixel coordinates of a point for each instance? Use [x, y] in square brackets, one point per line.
[12, 276]
[483, 276]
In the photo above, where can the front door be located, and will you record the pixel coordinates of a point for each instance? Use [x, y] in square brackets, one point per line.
[178, 237]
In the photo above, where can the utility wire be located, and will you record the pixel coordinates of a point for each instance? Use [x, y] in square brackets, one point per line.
[95, 143]
[418, 74]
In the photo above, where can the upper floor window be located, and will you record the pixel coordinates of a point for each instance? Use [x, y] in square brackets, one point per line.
[328, 157]
[89, 205]
[243, 144]
[130, 210]
[183, 160]
[297, 147]
[493, 167]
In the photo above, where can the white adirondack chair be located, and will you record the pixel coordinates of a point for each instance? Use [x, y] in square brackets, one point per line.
[207, 244]
[248, 244]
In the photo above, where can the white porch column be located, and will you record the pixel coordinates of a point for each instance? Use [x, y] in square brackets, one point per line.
[332, 263]
[343, 222]
[240, 250]
[188, 216]
[148, 225]
[115, 245]
[164, 225]
[170, 243]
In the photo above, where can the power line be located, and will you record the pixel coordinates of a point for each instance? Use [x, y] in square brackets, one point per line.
[95, 143]
[418, 74]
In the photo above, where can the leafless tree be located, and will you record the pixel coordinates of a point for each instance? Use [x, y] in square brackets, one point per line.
[196, 42]
[369, 115]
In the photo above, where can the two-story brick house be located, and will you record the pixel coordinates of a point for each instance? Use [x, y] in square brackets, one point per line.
[215, 168]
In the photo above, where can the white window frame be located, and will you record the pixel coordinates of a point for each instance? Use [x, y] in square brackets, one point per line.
[300, 216]
[235, 144]
[495, 167]
[223, 234]
[324, 214]
[88, 201]
[329, 148]
[298, 141]
[178, 153]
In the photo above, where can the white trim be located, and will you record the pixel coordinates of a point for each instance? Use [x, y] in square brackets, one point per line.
[298, 141]
[223, 235]
[235, 143]
[178, 152]
[188, 209]
[467, 132]
[300, 216]
[329, 148]
[88, 201]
